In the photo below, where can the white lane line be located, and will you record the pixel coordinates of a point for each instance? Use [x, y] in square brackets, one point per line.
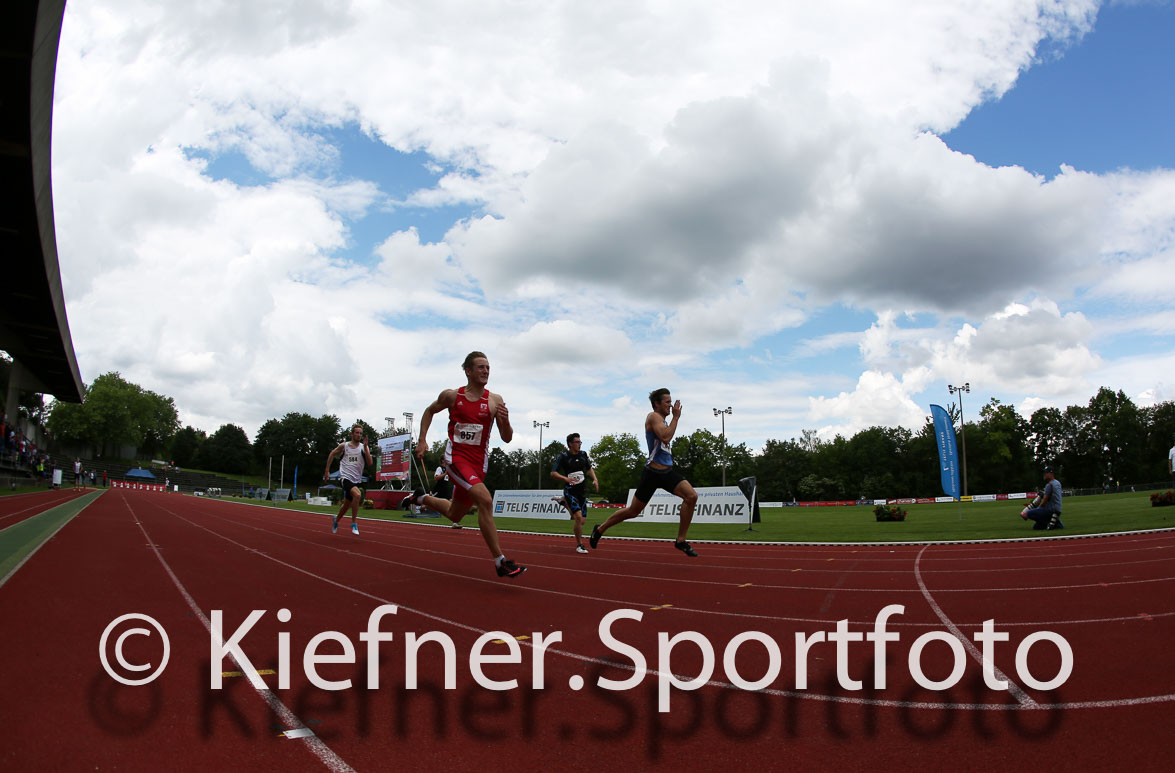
[1129, 618]
[1031, 705]
[1022, 697]
[45, 505]
[325, 754]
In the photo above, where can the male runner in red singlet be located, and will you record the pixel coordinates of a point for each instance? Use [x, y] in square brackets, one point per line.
[473, 410]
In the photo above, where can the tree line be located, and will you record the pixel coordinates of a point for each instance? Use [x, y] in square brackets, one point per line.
[1108, 442]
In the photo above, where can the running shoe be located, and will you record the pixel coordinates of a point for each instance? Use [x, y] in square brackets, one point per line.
[580, 549]
[684, 547]
[455, 526]
[412, 499]
[510, 569]
[595, 538]
[559, 501]
[334, 525]
[354, 528]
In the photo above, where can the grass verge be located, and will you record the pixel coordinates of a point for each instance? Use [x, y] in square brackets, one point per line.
[933, 522]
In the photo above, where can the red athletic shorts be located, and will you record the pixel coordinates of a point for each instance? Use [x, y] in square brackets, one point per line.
[464, 476]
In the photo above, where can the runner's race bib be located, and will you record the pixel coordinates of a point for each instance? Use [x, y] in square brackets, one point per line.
[576, 478]
[468, 434]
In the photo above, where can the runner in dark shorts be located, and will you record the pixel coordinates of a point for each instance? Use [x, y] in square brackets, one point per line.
[659, 473]
[573, 467]
[355, 456]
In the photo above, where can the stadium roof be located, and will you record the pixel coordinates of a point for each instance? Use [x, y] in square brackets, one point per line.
[33, 325]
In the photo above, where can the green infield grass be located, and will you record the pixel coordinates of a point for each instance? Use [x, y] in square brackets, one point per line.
[950, 521]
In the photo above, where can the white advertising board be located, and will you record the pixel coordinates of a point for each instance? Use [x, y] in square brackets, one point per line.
[535, 503]
[717, 504]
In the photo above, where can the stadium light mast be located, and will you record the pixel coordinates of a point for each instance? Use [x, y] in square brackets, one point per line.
[723, 412]
[408, 447]
[390, 429]
[540, 425]
[959, 390]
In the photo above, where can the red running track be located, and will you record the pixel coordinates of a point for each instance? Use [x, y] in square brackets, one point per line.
[15, 508]
[179, 558]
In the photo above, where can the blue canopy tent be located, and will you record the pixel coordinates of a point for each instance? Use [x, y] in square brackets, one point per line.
[139, 474]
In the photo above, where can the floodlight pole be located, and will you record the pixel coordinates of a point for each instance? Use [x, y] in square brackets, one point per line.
[959, 390]
[408, 446]
[540, 425]
[723, 412]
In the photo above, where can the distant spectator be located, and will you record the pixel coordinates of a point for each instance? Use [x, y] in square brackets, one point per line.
[77, 472]
[1046, 513]
[104, 479]
[441, 487]
[1171, 464]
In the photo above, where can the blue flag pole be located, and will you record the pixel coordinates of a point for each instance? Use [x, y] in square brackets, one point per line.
[948, 457]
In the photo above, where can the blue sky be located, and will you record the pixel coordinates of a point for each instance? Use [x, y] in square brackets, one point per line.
[1099, 104]
[818, 216]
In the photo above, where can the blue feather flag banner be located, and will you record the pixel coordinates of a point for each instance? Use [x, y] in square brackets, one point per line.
[948, 456]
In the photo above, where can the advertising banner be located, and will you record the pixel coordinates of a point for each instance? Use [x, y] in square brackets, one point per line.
[393, 458]
[534, 503]
[948, 458]
[716, 504]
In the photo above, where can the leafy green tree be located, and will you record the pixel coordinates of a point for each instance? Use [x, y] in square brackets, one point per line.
[618, 460]
[525, 466]
[813, 487]
[158, 421]
[920, 475]
[228, 451]
[1001, 456]
[185, 446]
[304, 441]
[552, 452]
[876, 457]
[116, 413]
[501, 475]
[1118, 437]
[1049, 438]
[779, 469]
[1160, 437]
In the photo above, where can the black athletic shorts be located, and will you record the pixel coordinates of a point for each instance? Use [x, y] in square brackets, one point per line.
[575, 502]
[347, 485]
[651, 480]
